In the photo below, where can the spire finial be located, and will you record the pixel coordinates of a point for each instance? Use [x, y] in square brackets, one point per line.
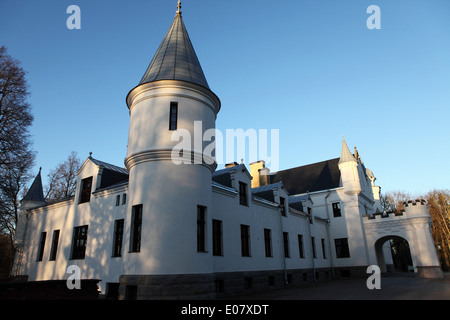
[179, 8]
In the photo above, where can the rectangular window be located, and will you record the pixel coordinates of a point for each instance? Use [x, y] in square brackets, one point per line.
[268, 242]
[117, 200]
[342, 249]
[336, 209]
[79, 242]
[201, 226]
[41, 246]
[286, 244]
[310, 215]
[54, 249]
[324, 254]
[118, 238]
[136, 228]
[283, 206]
[243, 193]
[86, 185]
[245, 240]
[313, 244]
[217, 238]
[173, 118]
[300, 246]
[124, 199]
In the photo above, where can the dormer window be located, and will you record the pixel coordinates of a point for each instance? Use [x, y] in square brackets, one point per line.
[86, 186]
[283, 206]
[243, 194]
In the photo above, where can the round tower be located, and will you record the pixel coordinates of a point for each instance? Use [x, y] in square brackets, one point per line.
[169, 205]
[349, 171]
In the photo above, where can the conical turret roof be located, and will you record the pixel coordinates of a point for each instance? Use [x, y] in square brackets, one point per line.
[176, 58]
[36, 192]
[346, 155]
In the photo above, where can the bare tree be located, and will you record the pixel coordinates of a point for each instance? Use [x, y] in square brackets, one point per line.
[16, 156]
[62, 180]
[15, 111]
[439, 207]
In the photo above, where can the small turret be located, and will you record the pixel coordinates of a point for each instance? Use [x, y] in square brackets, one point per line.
[349, 171]
[35, 195]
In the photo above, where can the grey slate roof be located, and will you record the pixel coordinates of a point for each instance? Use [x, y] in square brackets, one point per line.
[313, 177]
[36, 192]
[176, 58]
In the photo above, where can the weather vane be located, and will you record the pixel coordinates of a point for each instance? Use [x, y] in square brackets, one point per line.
[179, 7]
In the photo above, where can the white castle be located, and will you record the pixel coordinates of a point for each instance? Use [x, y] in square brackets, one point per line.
[157, 230]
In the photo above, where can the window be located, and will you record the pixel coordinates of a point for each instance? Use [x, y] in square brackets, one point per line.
[217, 238]
[118, 238]
[336, 209]
[323, 248]
[136, 228]
[286, 244]
[310, 215]
[342, 249]
[245, 240]
[118, 200]
[268, 242]
[54, 248]
[124, 199]
[313, 244]
[173, 118]
[283, 206]
[86, 185]
[243, 193]
[79, 242]
[300, 246]
[41, 246]
[201, 225]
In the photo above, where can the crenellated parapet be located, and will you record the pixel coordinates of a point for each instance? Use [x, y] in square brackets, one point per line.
[411, 208]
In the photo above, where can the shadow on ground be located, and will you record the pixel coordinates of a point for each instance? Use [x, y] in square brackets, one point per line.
[397, 286]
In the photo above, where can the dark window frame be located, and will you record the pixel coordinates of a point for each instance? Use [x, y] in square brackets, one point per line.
[85, 190]
[201, 228]
[136, 228]
[245, 240]
[217, 228]
[79, 242]
[54, 249]
[173, 116]
[243, 193]
[268, 242]
[118, 238]
[287, 253]
[336, 209]
[342, 248]
[41, 249]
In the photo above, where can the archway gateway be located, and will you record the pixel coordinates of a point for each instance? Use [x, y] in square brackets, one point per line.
[393, 254]
[412, 225]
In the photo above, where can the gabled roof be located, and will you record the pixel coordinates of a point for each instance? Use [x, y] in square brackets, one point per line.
[176, 58]
[36, 192]
[313, 177]
[223, 176]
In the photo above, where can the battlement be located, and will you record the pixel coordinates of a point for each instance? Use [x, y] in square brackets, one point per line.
[420, 202]
[412, 208]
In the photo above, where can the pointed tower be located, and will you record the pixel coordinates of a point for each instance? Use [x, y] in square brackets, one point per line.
[170, 200]
[349, 171]
[35, 195]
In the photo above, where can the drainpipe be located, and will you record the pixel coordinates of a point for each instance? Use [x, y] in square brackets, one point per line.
[282, 246]
[328, 234]
[310, 236]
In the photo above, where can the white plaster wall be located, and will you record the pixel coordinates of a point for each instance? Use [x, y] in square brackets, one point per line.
[99, 214]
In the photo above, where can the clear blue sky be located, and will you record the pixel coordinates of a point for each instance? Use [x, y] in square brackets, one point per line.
[310, 68]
